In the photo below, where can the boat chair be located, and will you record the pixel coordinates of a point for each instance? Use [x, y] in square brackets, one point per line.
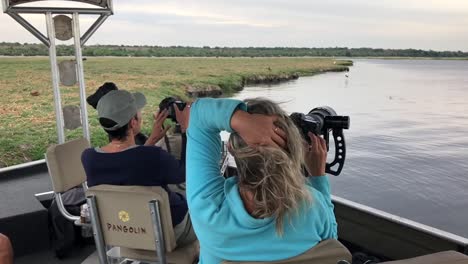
[329, 251]
[133, 223]
[66, 171]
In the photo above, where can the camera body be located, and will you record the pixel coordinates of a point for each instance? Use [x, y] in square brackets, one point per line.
[169, 103]
[321, 121]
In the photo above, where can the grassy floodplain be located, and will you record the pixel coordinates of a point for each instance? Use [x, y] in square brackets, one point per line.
[27, 115]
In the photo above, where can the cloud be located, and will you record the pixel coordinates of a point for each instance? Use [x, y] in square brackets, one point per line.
[200, 15]
[426, 24]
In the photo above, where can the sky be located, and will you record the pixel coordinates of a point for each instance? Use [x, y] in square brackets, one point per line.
[418, 24]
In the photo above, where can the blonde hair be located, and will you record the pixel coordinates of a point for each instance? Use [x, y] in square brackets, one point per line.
[273, 175]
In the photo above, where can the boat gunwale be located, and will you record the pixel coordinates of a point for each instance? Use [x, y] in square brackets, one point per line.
[433, 231]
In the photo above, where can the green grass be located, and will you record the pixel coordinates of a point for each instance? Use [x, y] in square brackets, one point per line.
[28, 122]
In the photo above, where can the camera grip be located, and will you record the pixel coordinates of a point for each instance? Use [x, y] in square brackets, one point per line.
[340, 153]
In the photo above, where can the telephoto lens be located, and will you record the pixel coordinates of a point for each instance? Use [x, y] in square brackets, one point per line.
[321, 121]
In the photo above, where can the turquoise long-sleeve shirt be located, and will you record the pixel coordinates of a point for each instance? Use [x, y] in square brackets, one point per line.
[224, 228]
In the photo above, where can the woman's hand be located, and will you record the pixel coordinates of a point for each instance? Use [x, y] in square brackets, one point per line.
[158, 130]
[316, 155]
[183, 117]
[258, 130]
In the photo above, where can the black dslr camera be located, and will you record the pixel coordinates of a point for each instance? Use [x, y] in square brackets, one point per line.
[321, 121]
[169, 103]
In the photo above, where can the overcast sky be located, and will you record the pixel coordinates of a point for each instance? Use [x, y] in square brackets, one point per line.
[420, 24]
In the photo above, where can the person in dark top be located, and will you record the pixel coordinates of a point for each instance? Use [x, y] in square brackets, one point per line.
[122, 162]
[140, 138]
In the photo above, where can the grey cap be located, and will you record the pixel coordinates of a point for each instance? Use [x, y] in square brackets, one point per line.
[120, 106]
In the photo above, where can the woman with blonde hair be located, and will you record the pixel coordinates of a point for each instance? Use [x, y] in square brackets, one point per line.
[270, 211]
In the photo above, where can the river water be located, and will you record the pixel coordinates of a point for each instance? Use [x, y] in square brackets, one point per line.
[407, 147]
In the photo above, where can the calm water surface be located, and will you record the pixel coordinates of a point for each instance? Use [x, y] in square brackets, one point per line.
[407, 147]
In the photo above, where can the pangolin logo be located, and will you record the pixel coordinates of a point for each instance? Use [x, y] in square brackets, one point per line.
[124, 216]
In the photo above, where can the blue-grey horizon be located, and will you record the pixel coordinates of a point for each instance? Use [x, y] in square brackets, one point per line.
[394, 24]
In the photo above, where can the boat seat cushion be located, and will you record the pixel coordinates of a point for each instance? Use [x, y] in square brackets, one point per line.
[446, 257]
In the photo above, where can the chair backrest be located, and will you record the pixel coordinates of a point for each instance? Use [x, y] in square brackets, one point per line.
[329, 251]
[64, 164]
[125, 216]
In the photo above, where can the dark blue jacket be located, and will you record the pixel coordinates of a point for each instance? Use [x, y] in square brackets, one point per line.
[141, 165]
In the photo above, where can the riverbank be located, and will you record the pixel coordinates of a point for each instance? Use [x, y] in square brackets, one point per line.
[26, 98]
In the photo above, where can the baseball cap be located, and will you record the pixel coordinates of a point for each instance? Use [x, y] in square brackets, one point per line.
[120, 106]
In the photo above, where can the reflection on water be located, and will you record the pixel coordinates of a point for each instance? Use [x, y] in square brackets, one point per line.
[408, 141]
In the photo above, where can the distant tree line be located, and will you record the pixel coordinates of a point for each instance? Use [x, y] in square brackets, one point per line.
[26, 49]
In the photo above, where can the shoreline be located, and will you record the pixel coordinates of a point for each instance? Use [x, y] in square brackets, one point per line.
[256, 79]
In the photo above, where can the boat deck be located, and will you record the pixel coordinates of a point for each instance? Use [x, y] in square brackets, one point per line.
[23, 218]
[83, 255]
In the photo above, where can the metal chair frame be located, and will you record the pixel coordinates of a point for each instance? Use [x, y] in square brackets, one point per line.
[61, 206]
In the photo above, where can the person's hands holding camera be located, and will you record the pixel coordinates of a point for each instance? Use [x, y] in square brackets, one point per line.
[316, 155]
[183, 117]
[258, 130]
[158, 131]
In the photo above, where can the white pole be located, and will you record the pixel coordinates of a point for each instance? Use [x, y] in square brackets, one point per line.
[55, 78]
[80, 73]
